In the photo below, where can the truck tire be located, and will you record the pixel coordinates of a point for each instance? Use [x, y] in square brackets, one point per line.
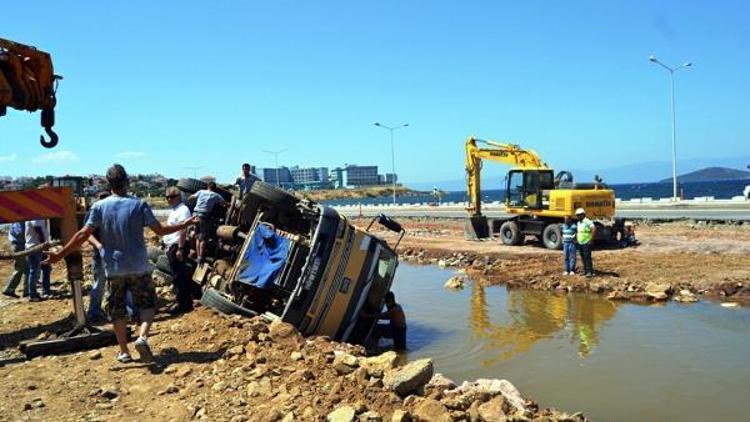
[162, 264]
[154, 253]
[164, 276]
[272, 195]
[191, 185]
[510, 233]
[552, 236]
[217, 300]
[225, 194]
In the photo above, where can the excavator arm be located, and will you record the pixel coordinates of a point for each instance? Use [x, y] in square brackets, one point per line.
[509, 154]
[28, 82]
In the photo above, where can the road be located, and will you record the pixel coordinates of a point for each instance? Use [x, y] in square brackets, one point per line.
[650, 213]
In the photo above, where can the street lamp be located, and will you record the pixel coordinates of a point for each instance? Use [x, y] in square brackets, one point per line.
[276, 161]
[672, 70]
[393, 152]
[194, 170]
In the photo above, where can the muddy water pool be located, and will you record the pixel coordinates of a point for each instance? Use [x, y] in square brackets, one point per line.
[612, 361]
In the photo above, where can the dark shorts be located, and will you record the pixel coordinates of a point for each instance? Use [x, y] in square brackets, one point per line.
[205, 227]
[398, 334]
[141, 288]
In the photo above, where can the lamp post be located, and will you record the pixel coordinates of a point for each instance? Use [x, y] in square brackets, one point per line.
[194, 170]
[672, 70]
[393, 152]
[276, 162]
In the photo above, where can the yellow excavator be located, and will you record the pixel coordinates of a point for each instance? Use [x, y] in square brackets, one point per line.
[536, 198]
[28, 82]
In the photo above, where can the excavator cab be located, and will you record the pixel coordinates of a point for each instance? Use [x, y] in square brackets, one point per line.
[528, 188]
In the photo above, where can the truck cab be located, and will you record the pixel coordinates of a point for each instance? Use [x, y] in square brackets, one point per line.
[295, 260]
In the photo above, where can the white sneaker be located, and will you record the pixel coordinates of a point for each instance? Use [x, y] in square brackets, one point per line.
[565, 273]
[144, 351]
[124, 357]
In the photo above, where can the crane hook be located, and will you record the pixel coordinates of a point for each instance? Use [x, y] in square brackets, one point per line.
[48, 120]
[53, 138]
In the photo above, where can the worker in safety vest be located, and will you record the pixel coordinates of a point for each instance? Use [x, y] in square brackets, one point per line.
[586, 230]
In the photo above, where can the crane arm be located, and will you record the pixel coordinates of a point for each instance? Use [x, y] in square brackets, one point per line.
[28, 82]
[510, 154]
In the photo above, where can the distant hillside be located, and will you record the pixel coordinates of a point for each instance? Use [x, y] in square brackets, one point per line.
[711, 174]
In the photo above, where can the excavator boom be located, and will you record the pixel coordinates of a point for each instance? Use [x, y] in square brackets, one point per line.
[28, 82]
[510, 154]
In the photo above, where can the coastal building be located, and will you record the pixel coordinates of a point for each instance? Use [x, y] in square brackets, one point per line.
[310, 178]
[281, 176]
[359, 176]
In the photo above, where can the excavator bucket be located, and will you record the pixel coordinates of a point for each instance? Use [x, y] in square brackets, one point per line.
[476, 227]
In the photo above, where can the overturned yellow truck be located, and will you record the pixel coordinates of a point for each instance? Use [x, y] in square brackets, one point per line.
[282, 257]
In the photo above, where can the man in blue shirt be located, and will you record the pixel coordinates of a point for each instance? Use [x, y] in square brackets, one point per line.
[205, 202]
[120, 219]
[568, 229]
[17, 238]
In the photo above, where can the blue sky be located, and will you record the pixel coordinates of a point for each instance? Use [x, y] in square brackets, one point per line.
[160, 86]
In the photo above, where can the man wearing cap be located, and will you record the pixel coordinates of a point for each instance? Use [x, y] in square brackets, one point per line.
[586, 230]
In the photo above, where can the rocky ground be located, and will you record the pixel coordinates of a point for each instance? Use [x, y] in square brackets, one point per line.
[214, 367]
[681, 261]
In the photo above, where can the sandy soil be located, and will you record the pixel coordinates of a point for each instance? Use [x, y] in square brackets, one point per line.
[215, 367]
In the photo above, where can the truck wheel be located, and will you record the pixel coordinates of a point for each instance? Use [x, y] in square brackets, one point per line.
[552, 236]
[225, 194]
[162, 264]
[272, 195]
[163, 275]
[191, 185]
[217, 300]
[510, 234]
[154, 253]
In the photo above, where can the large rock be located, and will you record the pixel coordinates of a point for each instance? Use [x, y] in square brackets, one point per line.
[438, 384]
[455, 283]
[345, 363]
[483, 388]
[341, 414]
[492, 410]
[429, 410]
[283, 332]
[376, 366]
[410, 377]
[658, 291]
[400, 416]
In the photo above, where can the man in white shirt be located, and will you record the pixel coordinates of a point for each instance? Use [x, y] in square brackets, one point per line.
[36, 234]
[177, 251]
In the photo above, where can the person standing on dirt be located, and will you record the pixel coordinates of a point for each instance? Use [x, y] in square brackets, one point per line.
[246, 180]
[396, 327]
[120, 219]
[95, 313]
[205, 202]
[36, 234]
[568, 229]
[17, 238]
[177, 250]
[586, 230]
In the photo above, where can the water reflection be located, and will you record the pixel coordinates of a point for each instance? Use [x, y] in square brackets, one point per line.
[533, 316]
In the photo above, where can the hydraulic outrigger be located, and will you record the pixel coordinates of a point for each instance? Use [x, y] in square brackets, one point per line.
[58, 205]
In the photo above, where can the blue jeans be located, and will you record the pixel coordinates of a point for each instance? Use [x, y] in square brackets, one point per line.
[20, 270]
[97, 289]
[35, 261]
[569, 257]
[588, 266]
